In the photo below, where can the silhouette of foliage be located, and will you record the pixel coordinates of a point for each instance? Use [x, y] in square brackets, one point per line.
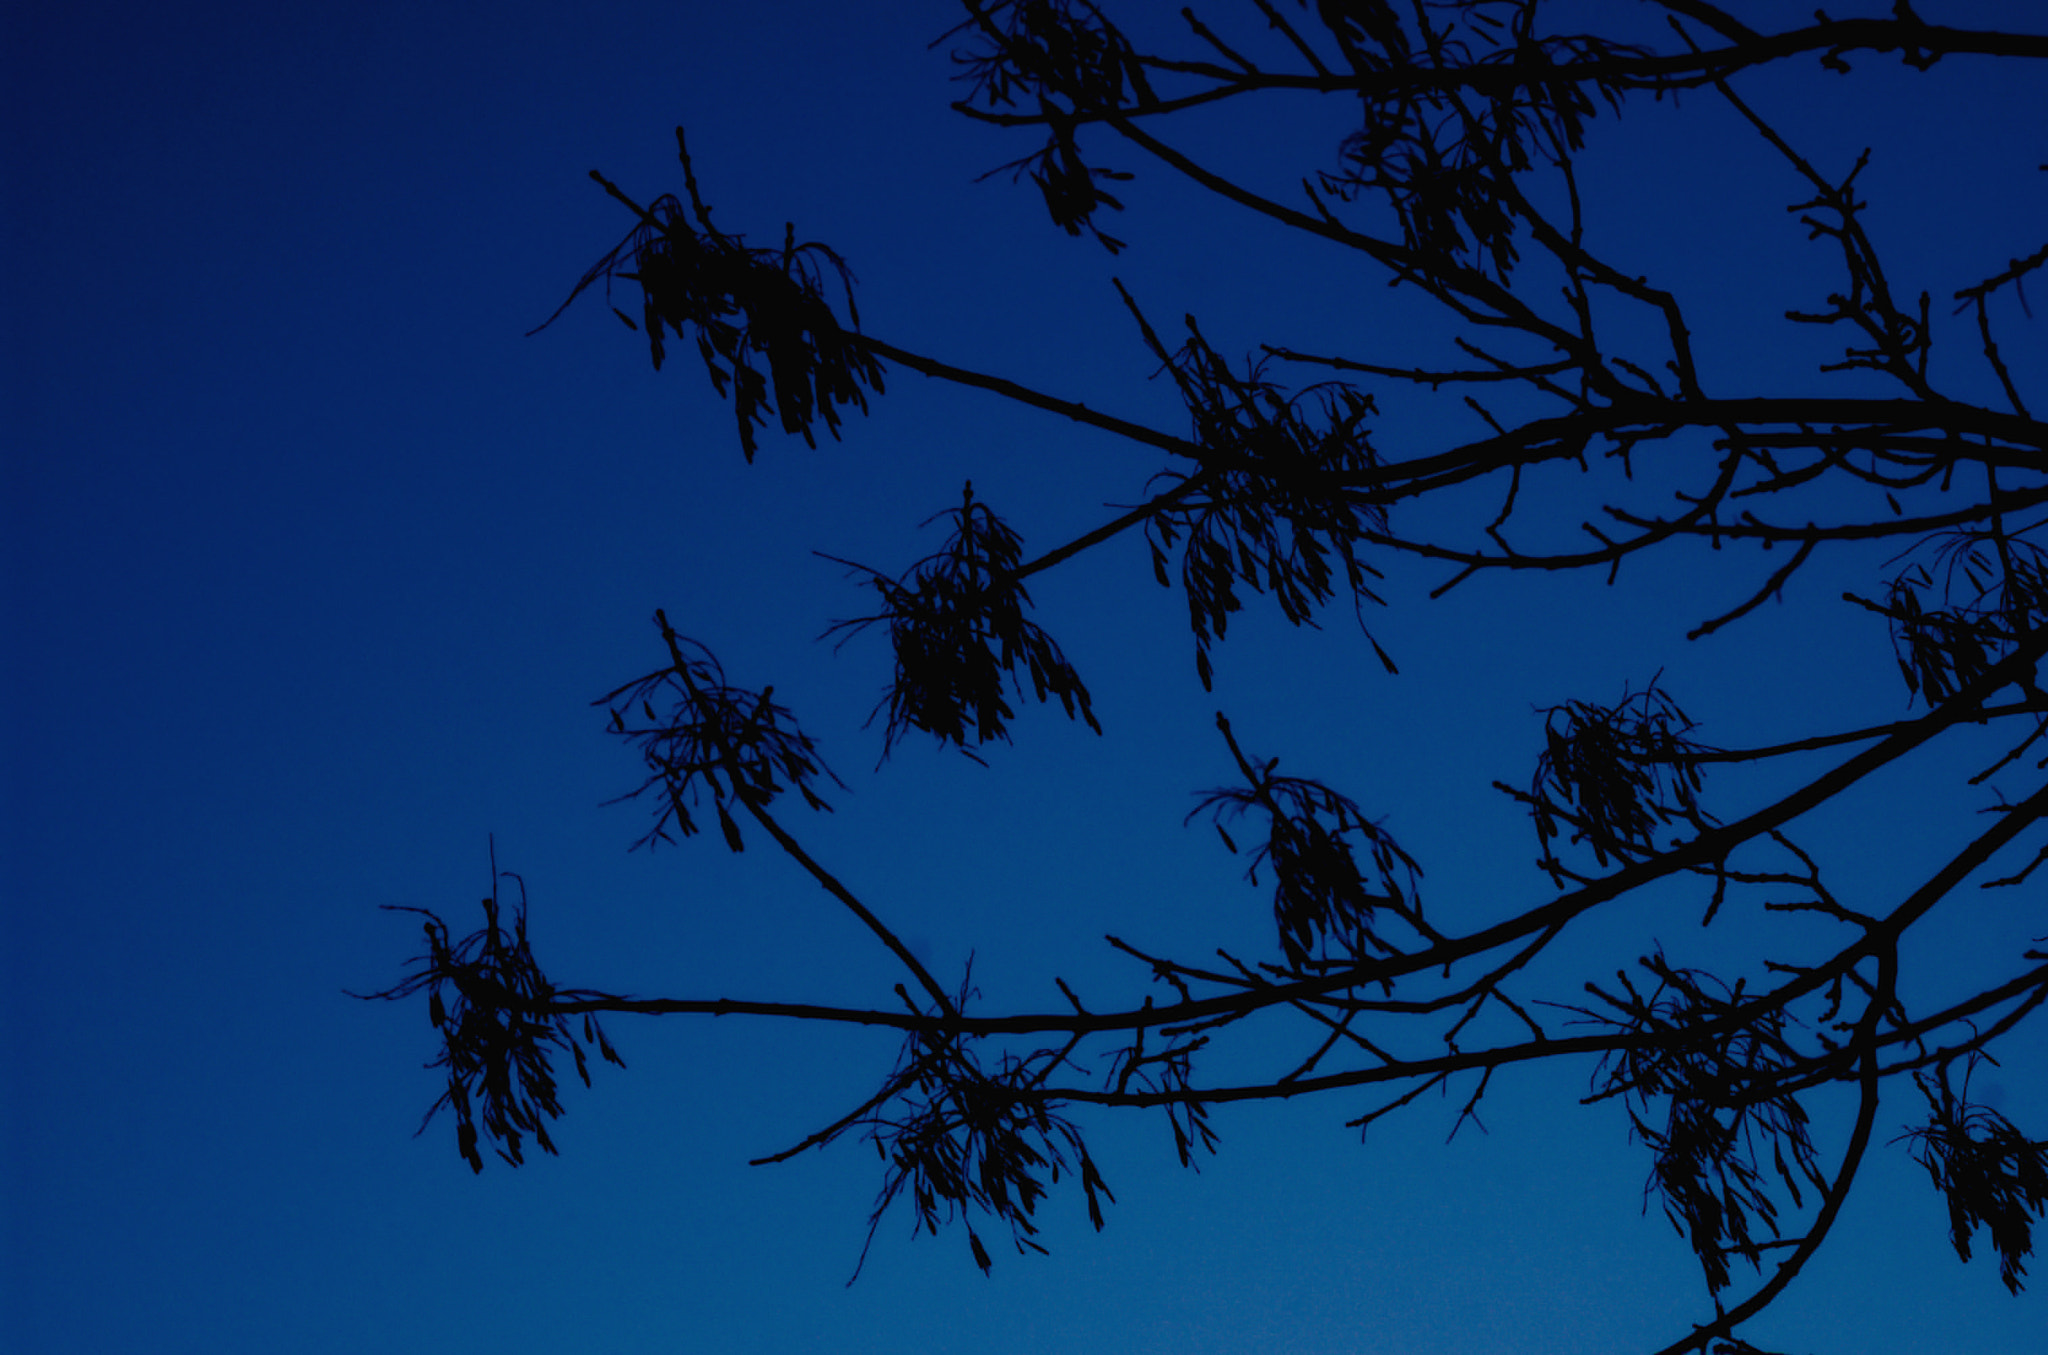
[1616, 774]
[1442, 156]
[1598, 442]
[1719, 1078]
[1319, 893]
[1038, 50]
[490, 1002]
[1990, 1174]
[956, 623]
[1991, 593]
[732, 745]
[959, 1140]
[1267, 508]
[742, 303]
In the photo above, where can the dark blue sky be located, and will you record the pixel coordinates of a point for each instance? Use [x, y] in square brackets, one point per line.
[314, 563]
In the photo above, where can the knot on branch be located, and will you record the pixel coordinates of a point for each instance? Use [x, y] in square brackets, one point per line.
[700, 737]
[957, 625]
[745, 308]
[492, 1005]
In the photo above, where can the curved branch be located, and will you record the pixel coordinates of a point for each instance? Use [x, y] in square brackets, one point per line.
[796, 852]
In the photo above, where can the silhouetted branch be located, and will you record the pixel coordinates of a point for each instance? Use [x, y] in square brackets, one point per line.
[1459, 180]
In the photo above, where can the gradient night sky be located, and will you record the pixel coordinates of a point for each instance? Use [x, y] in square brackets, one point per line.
[313, 564]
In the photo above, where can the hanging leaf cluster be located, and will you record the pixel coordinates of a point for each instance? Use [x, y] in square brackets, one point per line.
[1032, 49]
[1322, 901]
[1368, 32]
[957, 625]
[1728, 1127]
[1269, 508]
[1441, 156]
[1990, 1174]
[1462, 164]
[1615, 774]
[489, 1000]
[1042, 50]
[746, 308]
[1983, 605]
[1071, 187]
[704, 739]
[960, 1141]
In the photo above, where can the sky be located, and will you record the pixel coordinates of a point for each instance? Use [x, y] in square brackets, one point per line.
[314, 562]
